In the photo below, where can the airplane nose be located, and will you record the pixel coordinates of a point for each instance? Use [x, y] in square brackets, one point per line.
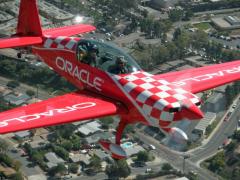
[193, 113]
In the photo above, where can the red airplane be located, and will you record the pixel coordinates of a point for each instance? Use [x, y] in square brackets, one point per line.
[109, 81]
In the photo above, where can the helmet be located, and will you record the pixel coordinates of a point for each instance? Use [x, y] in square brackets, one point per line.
[93, 47]
[120, 60]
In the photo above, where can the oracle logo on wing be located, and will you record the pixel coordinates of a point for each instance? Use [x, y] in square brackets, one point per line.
[49, 113]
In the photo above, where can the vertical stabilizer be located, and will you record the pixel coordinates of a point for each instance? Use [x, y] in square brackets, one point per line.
[28, 20]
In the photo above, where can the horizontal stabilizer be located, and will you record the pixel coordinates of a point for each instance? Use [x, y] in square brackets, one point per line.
[19, 41]
[69, 30]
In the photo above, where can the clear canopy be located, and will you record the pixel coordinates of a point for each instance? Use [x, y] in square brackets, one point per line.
[107, 56]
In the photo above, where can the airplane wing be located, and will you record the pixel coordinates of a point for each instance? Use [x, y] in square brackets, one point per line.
[69, 30]
[200, 79]
[59, 110]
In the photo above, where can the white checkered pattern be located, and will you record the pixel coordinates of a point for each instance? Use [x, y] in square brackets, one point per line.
[61, 42]
[154, 97]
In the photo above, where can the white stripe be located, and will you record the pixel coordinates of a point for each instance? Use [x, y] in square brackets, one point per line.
[48, 43]
[115, 79]
[70, 44]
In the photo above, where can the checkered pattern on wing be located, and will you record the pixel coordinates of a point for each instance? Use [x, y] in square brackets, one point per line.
[153, 96]
[68, 43]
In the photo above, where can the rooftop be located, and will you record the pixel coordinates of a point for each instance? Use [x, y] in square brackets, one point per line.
[207, 120]
[85, 158]
[89, 128]
[53, 159]
[22, 134]
[17, 99]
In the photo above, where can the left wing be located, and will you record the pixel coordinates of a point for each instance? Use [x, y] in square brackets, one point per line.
[200, 79]
[62, 109]
[69, 30]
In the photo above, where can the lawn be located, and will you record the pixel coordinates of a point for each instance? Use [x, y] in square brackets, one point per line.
[203, 26]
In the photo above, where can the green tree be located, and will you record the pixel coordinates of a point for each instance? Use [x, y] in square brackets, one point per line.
[95, 163]
[3, 146]
[118, 169]
[61, 152]
[167, 167]
[17, 165]
[30, 92]
[59, 169]
[217, 162]
[13, 84]
[175, 15]
[37, 158]
[143, 156]
[236, 173]
[73, 168]
[67, 145]
[17, 176]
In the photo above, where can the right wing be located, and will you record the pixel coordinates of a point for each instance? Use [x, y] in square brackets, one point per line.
[59, 110]
[200, 79]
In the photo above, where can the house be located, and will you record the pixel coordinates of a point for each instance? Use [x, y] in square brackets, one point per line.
[89, 128]
[22, 135]
[17, 99]
[102, 154]
[53, 159]
[80, 158]
[101, 135]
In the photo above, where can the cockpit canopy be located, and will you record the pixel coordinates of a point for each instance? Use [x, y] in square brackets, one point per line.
[105, 56]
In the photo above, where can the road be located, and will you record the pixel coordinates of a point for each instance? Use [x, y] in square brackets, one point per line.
[225, 130]
[196, 156]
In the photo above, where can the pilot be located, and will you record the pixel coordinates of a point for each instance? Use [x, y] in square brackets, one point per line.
[91, 56]
[120, 66]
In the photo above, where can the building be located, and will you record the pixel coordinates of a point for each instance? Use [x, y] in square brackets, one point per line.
[89, 128]
[133, 149]
[22, 135]
[53, 159]
[83, 159]
[216, 103]
[17, 99]
[102, 154]
[101, 135]
[200, 129]
[227, 23]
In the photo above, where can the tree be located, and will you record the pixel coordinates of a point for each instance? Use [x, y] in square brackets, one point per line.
[118, 169]
[175, 15]
[236, 173]
[143, 156]
[167, 167]
[217, 162]
[3, 146]
[17, 165]
[67, 145]
[61, 152]
[59, 169]
[30, 92]
[73, 168]
[95, 163]
[17, 176]
[13, 84]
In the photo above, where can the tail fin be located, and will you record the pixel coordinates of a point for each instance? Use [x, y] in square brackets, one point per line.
[28, 19]
[29, 31]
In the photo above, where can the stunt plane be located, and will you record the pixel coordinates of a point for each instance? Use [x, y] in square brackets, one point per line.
[110, 82]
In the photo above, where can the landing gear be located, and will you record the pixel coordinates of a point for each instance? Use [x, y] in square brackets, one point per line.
[115, 149]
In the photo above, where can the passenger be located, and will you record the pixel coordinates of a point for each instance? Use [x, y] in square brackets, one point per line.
[91, 56]
[120, 67]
